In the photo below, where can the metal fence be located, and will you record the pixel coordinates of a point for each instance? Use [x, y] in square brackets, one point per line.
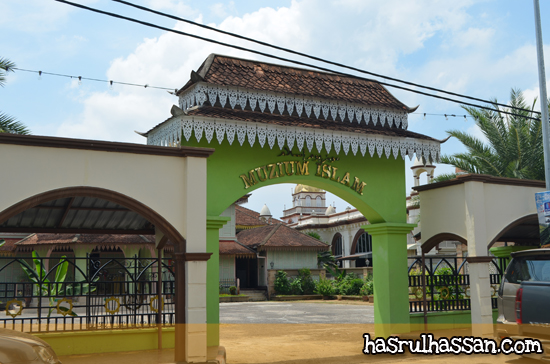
[447, 283]
[226, 284]
[68, 294]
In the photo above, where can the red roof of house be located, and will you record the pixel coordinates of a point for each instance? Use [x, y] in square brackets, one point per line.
[279, 237]
[9, 245]
[263, 76]
[231, 247]
[247, 217]
[98, 239]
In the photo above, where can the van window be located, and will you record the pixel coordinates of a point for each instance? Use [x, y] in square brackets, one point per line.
[529, 269]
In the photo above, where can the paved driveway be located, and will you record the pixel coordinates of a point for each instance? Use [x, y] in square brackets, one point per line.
[296, 313]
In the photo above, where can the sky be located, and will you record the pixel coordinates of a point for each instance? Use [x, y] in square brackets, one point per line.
[481, 48]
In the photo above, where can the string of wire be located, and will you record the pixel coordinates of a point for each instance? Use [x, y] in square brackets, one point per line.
[133, 20]
[313, 57]
[93, 79]
[172, 89]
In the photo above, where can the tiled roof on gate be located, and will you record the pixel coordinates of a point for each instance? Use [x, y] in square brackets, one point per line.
[289, 120]
[262, 76]
[279, 237]
[247, 217]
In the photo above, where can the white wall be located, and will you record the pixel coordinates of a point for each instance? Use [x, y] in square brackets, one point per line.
[228, 230]
[227, 267]
[292, 260]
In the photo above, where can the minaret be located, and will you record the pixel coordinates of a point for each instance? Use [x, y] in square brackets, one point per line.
[418, 168]
[305, 200]
[265, 214]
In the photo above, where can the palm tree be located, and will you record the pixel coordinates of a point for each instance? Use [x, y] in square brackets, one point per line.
[9, 124]
[514, 143]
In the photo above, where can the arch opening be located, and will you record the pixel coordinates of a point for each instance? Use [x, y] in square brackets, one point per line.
[49, 212]
[436, 239]
[523, 231]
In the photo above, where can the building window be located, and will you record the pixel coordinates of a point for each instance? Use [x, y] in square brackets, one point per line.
[337, 246]
[364, 244]
[319, 202]
[308, 201]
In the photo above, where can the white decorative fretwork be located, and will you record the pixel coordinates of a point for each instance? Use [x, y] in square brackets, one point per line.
[173, 130]
[198, 94]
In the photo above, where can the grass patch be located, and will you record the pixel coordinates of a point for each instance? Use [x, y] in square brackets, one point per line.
[232, 295]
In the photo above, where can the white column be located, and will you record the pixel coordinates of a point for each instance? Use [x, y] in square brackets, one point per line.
[195, 293]
[480, 287]
[195, 235]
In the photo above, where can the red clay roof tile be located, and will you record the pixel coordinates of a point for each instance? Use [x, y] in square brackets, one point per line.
[262, 76]
[279, 236]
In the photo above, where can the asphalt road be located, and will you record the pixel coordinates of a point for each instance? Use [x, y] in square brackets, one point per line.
[295, 313]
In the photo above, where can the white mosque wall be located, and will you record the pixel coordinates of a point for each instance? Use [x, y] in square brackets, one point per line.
[292, 259]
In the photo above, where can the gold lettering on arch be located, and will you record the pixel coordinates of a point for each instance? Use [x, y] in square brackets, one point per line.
[300, 168]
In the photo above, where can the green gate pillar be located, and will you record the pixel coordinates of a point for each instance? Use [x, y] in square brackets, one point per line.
[213, 226]
[391, 285]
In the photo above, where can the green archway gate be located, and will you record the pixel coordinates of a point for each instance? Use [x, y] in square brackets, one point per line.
[272, 124]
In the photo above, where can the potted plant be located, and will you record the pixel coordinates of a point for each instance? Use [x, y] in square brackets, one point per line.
[233, 290]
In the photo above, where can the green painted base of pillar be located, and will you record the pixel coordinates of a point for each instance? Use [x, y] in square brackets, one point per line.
[213, 226]
[391, 285]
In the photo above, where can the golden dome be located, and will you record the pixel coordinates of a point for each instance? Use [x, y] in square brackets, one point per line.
[304, 188]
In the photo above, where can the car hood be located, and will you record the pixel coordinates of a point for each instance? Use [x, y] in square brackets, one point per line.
[17, 347]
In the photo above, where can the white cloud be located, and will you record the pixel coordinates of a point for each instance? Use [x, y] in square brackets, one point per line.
[474, 37]
[35, 16]
[221, 10]
[175, 7]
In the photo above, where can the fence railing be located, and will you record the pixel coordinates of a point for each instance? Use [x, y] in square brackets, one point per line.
[226, 284]
[447, 283]
[68, 294]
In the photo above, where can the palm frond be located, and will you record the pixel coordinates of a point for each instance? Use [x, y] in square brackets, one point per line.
[9, 124]
[514, 143]
[5, 66]
[444, 177]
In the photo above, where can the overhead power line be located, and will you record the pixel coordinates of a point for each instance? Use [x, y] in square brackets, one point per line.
[80, 78]
[290, 60]
[144, 8]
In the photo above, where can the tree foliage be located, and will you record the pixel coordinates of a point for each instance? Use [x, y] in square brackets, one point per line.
[514, 143]
[8, 124]
[314, 235]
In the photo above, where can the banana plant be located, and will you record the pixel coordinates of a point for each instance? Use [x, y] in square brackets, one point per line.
[57, 288]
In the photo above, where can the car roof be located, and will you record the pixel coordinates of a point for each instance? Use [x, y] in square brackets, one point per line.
[529, 252]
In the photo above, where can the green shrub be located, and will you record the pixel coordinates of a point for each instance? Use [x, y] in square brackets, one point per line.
[307, 282]
[367, 289]
[233, 290]
[324, 287]
[296, 287]
[349, 285]
[282, 284]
